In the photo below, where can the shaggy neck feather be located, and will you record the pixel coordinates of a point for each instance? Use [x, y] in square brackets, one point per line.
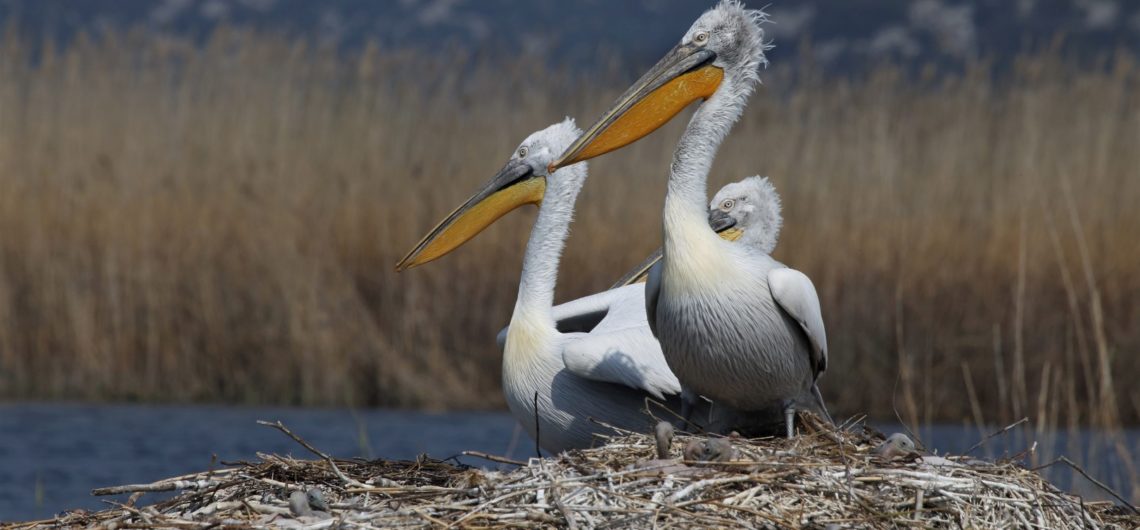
[685, 202]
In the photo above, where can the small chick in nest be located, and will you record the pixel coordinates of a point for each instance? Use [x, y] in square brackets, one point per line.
[663, 435]
[699, 450]
[897, 445]
[711, 450]
[310, 503]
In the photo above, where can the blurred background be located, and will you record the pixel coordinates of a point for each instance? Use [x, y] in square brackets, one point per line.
[202, 202]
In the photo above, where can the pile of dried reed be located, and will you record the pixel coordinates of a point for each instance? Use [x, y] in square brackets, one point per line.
[822, 478]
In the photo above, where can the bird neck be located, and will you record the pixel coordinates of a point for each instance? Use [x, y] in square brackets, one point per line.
[543, 252]
[685, 201]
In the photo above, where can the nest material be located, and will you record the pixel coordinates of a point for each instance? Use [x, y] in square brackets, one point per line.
[824, 479]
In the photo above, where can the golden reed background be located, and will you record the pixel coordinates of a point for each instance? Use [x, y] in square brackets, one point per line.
[220, 223]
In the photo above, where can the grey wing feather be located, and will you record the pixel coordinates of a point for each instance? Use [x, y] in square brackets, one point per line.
[652, 293]
[796, 294]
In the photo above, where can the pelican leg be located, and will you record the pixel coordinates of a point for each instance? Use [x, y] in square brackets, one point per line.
[790, 419]
[688, 406]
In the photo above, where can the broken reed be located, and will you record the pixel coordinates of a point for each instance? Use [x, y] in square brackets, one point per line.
[220, 223]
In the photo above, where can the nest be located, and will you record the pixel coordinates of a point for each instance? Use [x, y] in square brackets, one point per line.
[825, 478]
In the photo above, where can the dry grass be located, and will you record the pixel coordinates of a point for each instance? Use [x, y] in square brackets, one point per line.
[221, 223]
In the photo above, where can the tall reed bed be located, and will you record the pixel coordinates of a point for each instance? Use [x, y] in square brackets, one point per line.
[220, 223]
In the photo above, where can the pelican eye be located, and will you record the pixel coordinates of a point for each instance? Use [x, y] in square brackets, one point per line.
[727, 204]
[523, 151]
[701, 37]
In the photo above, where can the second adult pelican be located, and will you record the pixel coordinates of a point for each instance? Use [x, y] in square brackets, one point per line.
[734, 324]
[603, 362]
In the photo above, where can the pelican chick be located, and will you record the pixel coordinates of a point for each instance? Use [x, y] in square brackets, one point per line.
[602, 365]
[309, 503]
[664, 463]
[897, 445]
[663, 435]
[735, 325]
[711, 450]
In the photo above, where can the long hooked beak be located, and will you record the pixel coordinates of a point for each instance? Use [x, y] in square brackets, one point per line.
[683, 76]
[721, 223]
[514, 185]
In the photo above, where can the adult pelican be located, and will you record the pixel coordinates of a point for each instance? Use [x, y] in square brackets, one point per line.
[748, 212]
[556, 379]
[735, 325]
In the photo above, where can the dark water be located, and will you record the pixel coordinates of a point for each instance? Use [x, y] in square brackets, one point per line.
[52, 455]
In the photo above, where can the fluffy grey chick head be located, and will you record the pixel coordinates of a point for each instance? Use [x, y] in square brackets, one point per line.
[751, 206]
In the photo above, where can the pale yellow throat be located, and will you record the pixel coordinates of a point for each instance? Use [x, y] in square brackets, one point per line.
[530, 335]
[730, 234]
[699, 260]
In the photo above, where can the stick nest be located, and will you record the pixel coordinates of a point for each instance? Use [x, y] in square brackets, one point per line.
[822, 479]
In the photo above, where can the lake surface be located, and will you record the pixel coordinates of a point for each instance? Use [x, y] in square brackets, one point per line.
[52, 455]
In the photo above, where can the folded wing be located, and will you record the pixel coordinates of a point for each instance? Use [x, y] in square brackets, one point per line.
[796, 295]
[621, 349]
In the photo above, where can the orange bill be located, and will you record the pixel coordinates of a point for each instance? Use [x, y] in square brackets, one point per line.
[685, 75]
[513, 187]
